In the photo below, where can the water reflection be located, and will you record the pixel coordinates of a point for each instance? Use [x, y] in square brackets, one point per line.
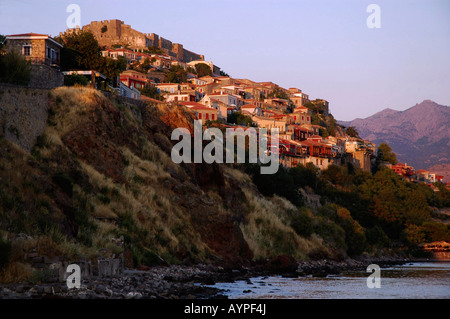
[409, 281]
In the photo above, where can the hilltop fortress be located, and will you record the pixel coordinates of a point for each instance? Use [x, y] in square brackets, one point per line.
[116, 32]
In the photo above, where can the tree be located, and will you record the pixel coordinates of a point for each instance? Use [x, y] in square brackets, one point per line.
[239, 119]
[151, 92]
[331, 125]
[385, 154]
[80, 51]
[279, 93]
[146, 65]
[203, 70]
[154, 50]
[176, 74]
[351, 131]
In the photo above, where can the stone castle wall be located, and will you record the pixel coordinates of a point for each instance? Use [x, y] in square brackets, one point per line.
[116, 32]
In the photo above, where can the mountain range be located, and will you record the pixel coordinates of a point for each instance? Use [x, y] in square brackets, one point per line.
[419, 135]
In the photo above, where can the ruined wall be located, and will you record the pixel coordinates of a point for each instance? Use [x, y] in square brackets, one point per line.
[23, 114]
[111, 32]
[116, 32]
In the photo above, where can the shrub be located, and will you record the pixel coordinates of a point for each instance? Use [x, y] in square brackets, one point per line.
[302, 224]
[376, 236]
[15, 69]
[5, 253]
[72, 79]
[64, 182]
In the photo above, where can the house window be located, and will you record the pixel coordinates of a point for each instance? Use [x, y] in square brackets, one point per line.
[199, 116]
[212, 117]
[207, 116]
[27, 50]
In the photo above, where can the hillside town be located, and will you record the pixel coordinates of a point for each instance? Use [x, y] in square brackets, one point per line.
[307, 135]
[113, 187]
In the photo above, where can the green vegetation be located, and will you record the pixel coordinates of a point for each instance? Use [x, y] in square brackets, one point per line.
[203, 70]
[5, 253]
[15, 69]
[385, 154]
[176, 74]
[75, 79]
[352, 132]
[368, 212]
[240, 119]
[154, 50]
[278, 93]
[151, 92]
[81, 51]
[73, 203]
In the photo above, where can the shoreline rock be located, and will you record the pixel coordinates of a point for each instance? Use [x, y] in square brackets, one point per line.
[186, 282]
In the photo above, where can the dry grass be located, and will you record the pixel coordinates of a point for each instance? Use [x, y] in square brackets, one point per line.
[73, 103]
[15, 272]
[268, 234]
[237, 174]
[151, 209]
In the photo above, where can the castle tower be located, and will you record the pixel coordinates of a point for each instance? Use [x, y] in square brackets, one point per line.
[178, 50]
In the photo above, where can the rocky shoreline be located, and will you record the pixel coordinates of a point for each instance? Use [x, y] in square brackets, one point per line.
[185, 282]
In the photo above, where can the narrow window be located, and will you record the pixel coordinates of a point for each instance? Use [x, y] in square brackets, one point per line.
[27, 50]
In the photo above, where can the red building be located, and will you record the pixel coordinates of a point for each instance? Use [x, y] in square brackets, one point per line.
[134, 79]
[404, 170]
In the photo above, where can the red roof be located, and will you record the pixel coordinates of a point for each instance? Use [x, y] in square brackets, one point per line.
[202, 108]
[31, 34]
[249, 106]
[191, 104]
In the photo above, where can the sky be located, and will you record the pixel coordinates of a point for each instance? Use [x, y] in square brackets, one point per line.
[323, 47]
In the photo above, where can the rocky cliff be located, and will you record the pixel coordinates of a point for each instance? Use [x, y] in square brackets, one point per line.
[101, 169]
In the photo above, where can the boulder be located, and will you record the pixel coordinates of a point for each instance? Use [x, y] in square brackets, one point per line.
[282, 264]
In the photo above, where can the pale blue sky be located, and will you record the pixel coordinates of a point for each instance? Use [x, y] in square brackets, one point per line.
[323, 47]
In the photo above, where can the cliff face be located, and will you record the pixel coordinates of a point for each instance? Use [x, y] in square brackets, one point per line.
[102, 169]
[419, 135]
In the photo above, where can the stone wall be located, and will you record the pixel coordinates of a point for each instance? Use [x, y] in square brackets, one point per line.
[45, 77]
[23, 114]
[111, 32]
[189, 56]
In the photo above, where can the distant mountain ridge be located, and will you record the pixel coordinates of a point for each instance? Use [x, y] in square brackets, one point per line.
[420, 135]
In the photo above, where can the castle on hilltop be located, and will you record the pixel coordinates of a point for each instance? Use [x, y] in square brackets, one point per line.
[116, 32]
